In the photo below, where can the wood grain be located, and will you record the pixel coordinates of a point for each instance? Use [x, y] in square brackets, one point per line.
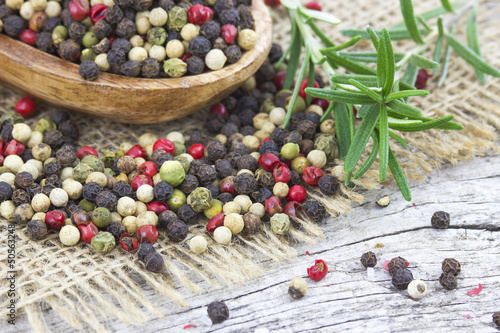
[350, 300]
[128, 100]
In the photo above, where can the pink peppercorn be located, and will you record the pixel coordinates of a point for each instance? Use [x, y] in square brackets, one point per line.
[97, 12]
[25, 107]
[79, 9]
[229, 32]
[86, 150]
[199, 14]
[136, 151]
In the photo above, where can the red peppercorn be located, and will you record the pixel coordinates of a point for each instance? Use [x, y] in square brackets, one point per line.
[273, 3]
[97, 12]
[314, 5]
[147, 234]
[318, 271]
[86, 150]
[54, 219]
[273, 205]
[136, 151]
[2, 147]
[196, 151]
[304, 85]
[147, 168]
[87, 232]
[297, 193]
[312, 175]
[140, 180]
[291, 208]
[267, 161]
[79, 9]
[422, 77]
[229, 32]
[215, 222]
[281, 173]
[219, 109]
[164, 144]
[13, 147]
[323, 103]
[279, 80]
[1, 160]
[157, 207]
[199, 14]
[25, 107]
[227, 185]
[185, 57]
[28, 36]
[128, 243]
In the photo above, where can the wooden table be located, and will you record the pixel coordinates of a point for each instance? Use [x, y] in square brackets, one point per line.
[350, 298]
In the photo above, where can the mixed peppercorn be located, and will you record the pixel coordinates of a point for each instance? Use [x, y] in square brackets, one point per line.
[135, 38]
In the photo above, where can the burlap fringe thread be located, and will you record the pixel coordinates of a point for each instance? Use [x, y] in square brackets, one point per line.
[74, 282]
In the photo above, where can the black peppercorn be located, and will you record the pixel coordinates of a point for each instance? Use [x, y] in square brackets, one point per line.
[448, 281]
[306, 146]
[307, 128]
[314, 210]
[177, 231]
[53, 138]
[440, 220]
[210, 29]
[396, 264]
[248, 162]
[166, 217]
[213, 189]
[117, 229]
[144, 250]
[53, 180]
[66, 156]
[233, 53]
[150, 68]
[261, 195]
[47, 189]
[195, 65]
[294, 137]
[496, 318]
[131, 68]
[198, 137]
[248, 103]
[102, 29]
[401, 278]
[246, 117]
[220, 44]
[229, 129]
[266, 72]
[248, 130]
[6, 131]
[5, 11]
[167, 4]
[218, 312]
[89, 70]
[294, 178]
[126, 28]
[124, 3]
[44, 42]
[76, 31]
[52, 168]
[252, 223]
[122, 43]
[20, 197]
[66, 17]
[50, 23]
[225, 197]
[36, 229]
[102, 47]
[33, 190]
[23, 180]
[114, 15]
[13, 25]
[69, 50]
[215, 150]
[187, 214]
[162, 191]
[116, 56]
[369, 259]
[246, 18]
[206, 174]
[59, 117]
[214, 124]
[189, 184]
[276, 53]
[141, 5]
[245, 183]
[199, 46]
[313, 117]
[279, 134]
[91, 190]
[122, 189]
[223, 168]
[451, 266]
[265, 179]
[229, 16]
[220, 5]
[268, 146]
[328, 185]
[107, 200]
[154, 262]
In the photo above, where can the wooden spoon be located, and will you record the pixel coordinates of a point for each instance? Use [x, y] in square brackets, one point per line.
[123, 99]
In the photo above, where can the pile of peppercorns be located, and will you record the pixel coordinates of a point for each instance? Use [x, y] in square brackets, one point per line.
[252, 172]
[134, 37]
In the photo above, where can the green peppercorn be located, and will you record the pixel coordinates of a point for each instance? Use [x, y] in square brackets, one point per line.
[45, 125]
[369, 259]
[103, 242]
[180, 148]
[59, 34]
[300, 104]
[280, 223]
[177, 18]
[327, 144]
[173, 173]
[157, 36]
[451, 266]
[440, 220]
[90, 39]
[101, 217]
[88, 55]
[184, 160]
[176, 200]
[200, 199]
[175, 67]
[214, 209]
[299, 164]
[448, 281]
[94, 162]
[81, 172]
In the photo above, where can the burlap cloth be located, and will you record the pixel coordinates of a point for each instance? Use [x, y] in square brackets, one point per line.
[75, 281]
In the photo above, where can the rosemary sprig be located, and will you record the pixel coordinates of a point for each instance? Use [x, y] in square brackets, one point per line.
[381, 95]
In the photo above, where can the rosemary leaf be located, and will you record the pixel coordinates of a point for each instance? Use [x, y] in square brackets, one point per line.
[423, 23]
[396, 34]
[367, 80]
[409, 76]
[422, 126]
[340, 96]
[363, 110]
[310, 82]
[471, 57]
[438, 48]
[373, 36]
[404, 109]
[290, 4]
[447, 5]
[293, 62]
[376, 97]
[320, 34]
[421, 61]
[399, 176]
[317, 15]
[371, 158]
[410, 21]
[384, 141]
[343, 46]
[327, 112]
[405, 94]
[351, 66]
[297, 87]
[361, 138]
[430, 14]
[446, 61]
[398, 139]
[386, 46]
[366, 56]
[341, 117]
[473, 41]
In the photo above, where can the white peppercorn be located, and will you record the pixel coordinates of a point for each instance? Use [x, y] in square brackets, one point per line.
[1, 25]
[261, 135]
[142, 24]
[40, 203]
[14, 4]
[215, 59]
[69, 235]
[7, 209]
[41, 152]
[221, 138]
[247, 38]
[280, 190]
[53, 9]
[39, 4]
[115, 217]
[231, 207]
[13, 163]
[175, 49]
[249, 84]
[260, 119]
[21, 132]
[268, 127]
[244, 201]
[26, 11]
[189, 32]
[242, 171]
[31, 168]
[35, 138]
[136, 41]
[126, 206]
[297, 288]
[147, 46]
[145, 193]
[102, 62]
[158, 17]
[108, 3]
[130, 224]
[66, 173]
[157, 52]
[257, 209]
[8, 178]
[140, 207]
[58, 197]
[317, 158]
[137, 54]
[73, 188]
[176, 136]
[223, 235]
[147, 218]
[147, 139]
[417, 289]
[251, 142]
[97, 177]
[125, 146]
[315, 108]
[39, 216]
[255, 154]
[327, 127]
[96, 2]
[198, 244]
[234, 222]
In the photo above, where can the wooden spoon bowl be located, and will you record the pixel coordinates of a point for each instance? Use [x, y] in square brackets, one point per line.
[123, 99]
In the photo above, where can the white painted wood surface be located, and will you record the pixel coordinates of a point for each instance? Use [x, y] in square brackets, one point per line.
[348, 299]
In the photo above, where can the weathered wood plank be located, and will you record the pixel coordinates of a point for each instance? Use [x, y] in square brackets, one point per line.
[350, 300]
